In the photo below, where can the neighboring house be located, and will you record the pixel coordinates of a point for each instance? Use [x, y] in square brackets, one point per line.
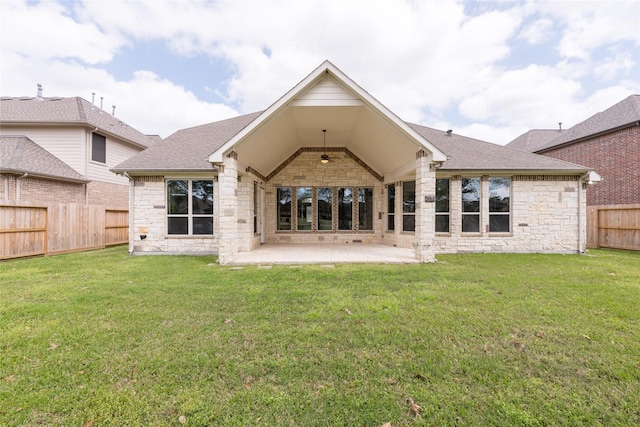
[83, 137]
[328, 163]
[29, 172]
[608, 142]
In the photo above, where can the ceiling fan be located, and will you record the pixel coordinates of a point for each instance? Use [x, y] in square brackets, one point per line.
[324, 158]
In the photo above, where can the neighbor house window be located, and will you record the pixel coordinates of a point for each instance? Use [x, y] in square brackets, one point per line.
[189, 207]
[345, 208]
[442, 205]
[305, 208]
[284, 208]
[365, 208]
[470, 205]
[499, 205]
[98, 148]
[391, 207]
[325, 208]
[409, 206]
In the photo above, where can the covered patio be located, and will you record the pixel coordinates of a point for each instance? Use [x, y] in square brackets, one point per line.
[326, 254]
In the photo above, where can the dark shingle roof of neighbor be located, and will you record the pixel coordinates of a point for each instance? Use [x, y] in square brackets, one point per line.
[622, 114]
[468, 154]
[74, 110]
[535, 139]
[189, 149]
[19, 155]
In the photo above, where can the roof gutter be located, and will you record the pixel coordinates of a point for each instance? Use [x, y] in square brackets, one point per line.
[24, 174]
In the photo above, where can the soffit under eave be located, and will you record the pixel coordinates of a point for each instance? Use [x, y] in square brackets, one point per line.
[326, 70]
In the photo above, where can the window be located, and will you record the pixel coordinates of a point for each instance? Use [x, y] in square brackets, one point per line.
[345, 208]
[365, 208]
[98, 148]
[305, 208]
[499, 205]
[189, 207]
[284, 208]
[470, 205]
[325, 208]
[391, 207]
[255, 207]
[442, 205]
[409, 206]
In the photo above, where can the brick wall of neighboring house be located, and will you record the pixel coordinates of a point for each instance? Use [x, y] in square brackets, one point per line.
[41, 191]
[107, 194]
[616, 157]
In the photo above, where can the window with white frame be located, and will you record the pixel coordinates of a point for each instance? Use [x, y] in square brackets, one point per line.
[98, 148]
[189, 207]
[442, 205]
[470, 205]
[499, 205]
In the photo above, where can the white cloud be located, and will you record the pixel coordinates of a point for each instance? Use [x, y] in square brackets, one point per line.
[419, 58]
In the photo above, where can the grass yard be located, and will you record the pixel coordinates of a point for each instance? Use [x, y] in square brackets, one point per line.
[101, 339]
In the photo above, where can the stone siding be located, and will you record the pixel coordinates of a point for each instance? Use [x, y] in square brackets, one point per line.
[307, 171]
[544, 218]
[149, 217]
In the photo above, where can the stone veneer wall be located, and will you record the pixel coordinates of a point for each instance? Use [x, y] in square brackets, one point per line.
[307, 171]
[545, 218]
[149, 216]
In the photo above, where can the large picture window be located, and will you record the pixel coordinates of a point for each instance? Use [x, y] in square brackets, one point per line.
[189, 207]
[98, 148]
[305, 208]
[409, 206]
[442, 205]
[470, 205]
[345, 208]
[365, 209]
[499, 205]
[284, 208]
[325, 209]
[391, 207]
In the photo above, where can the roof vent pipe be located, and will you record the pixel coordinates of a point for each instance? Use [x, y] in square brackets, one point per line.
[101, 99]
[39, 96]
[93, 98]
[449, 132]
[559, 126]
[113, 111]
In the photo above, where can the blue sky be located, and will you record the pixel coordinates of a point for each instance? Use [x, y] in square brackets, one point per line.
[487, 69]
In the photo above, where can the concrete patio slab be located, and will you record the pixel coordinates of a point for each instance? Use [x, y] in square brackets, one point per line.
[326, 254]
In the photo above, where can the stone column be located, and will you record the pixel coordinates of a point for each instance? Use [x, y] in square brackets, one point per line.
[228, 210]
[425, 207]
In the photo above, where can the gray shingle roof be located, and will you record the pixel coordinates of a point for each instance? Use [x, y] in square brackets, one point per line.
[535, 139]
[18, 154]
[186, 149]
[74, 110]
[622, 114]
[468, 154]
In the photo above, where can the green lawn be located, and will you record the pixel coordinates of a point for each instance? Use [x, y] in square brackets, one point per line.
[101, 338]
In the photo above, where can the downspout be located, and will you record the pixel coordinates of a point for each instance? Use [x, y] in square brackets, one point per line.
[18, 178]
[131, 211]
[582, 247]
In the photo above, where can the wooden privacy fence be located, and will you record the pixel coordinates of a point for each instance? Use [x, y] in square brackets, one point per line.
[59, 228]
[614, 226]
